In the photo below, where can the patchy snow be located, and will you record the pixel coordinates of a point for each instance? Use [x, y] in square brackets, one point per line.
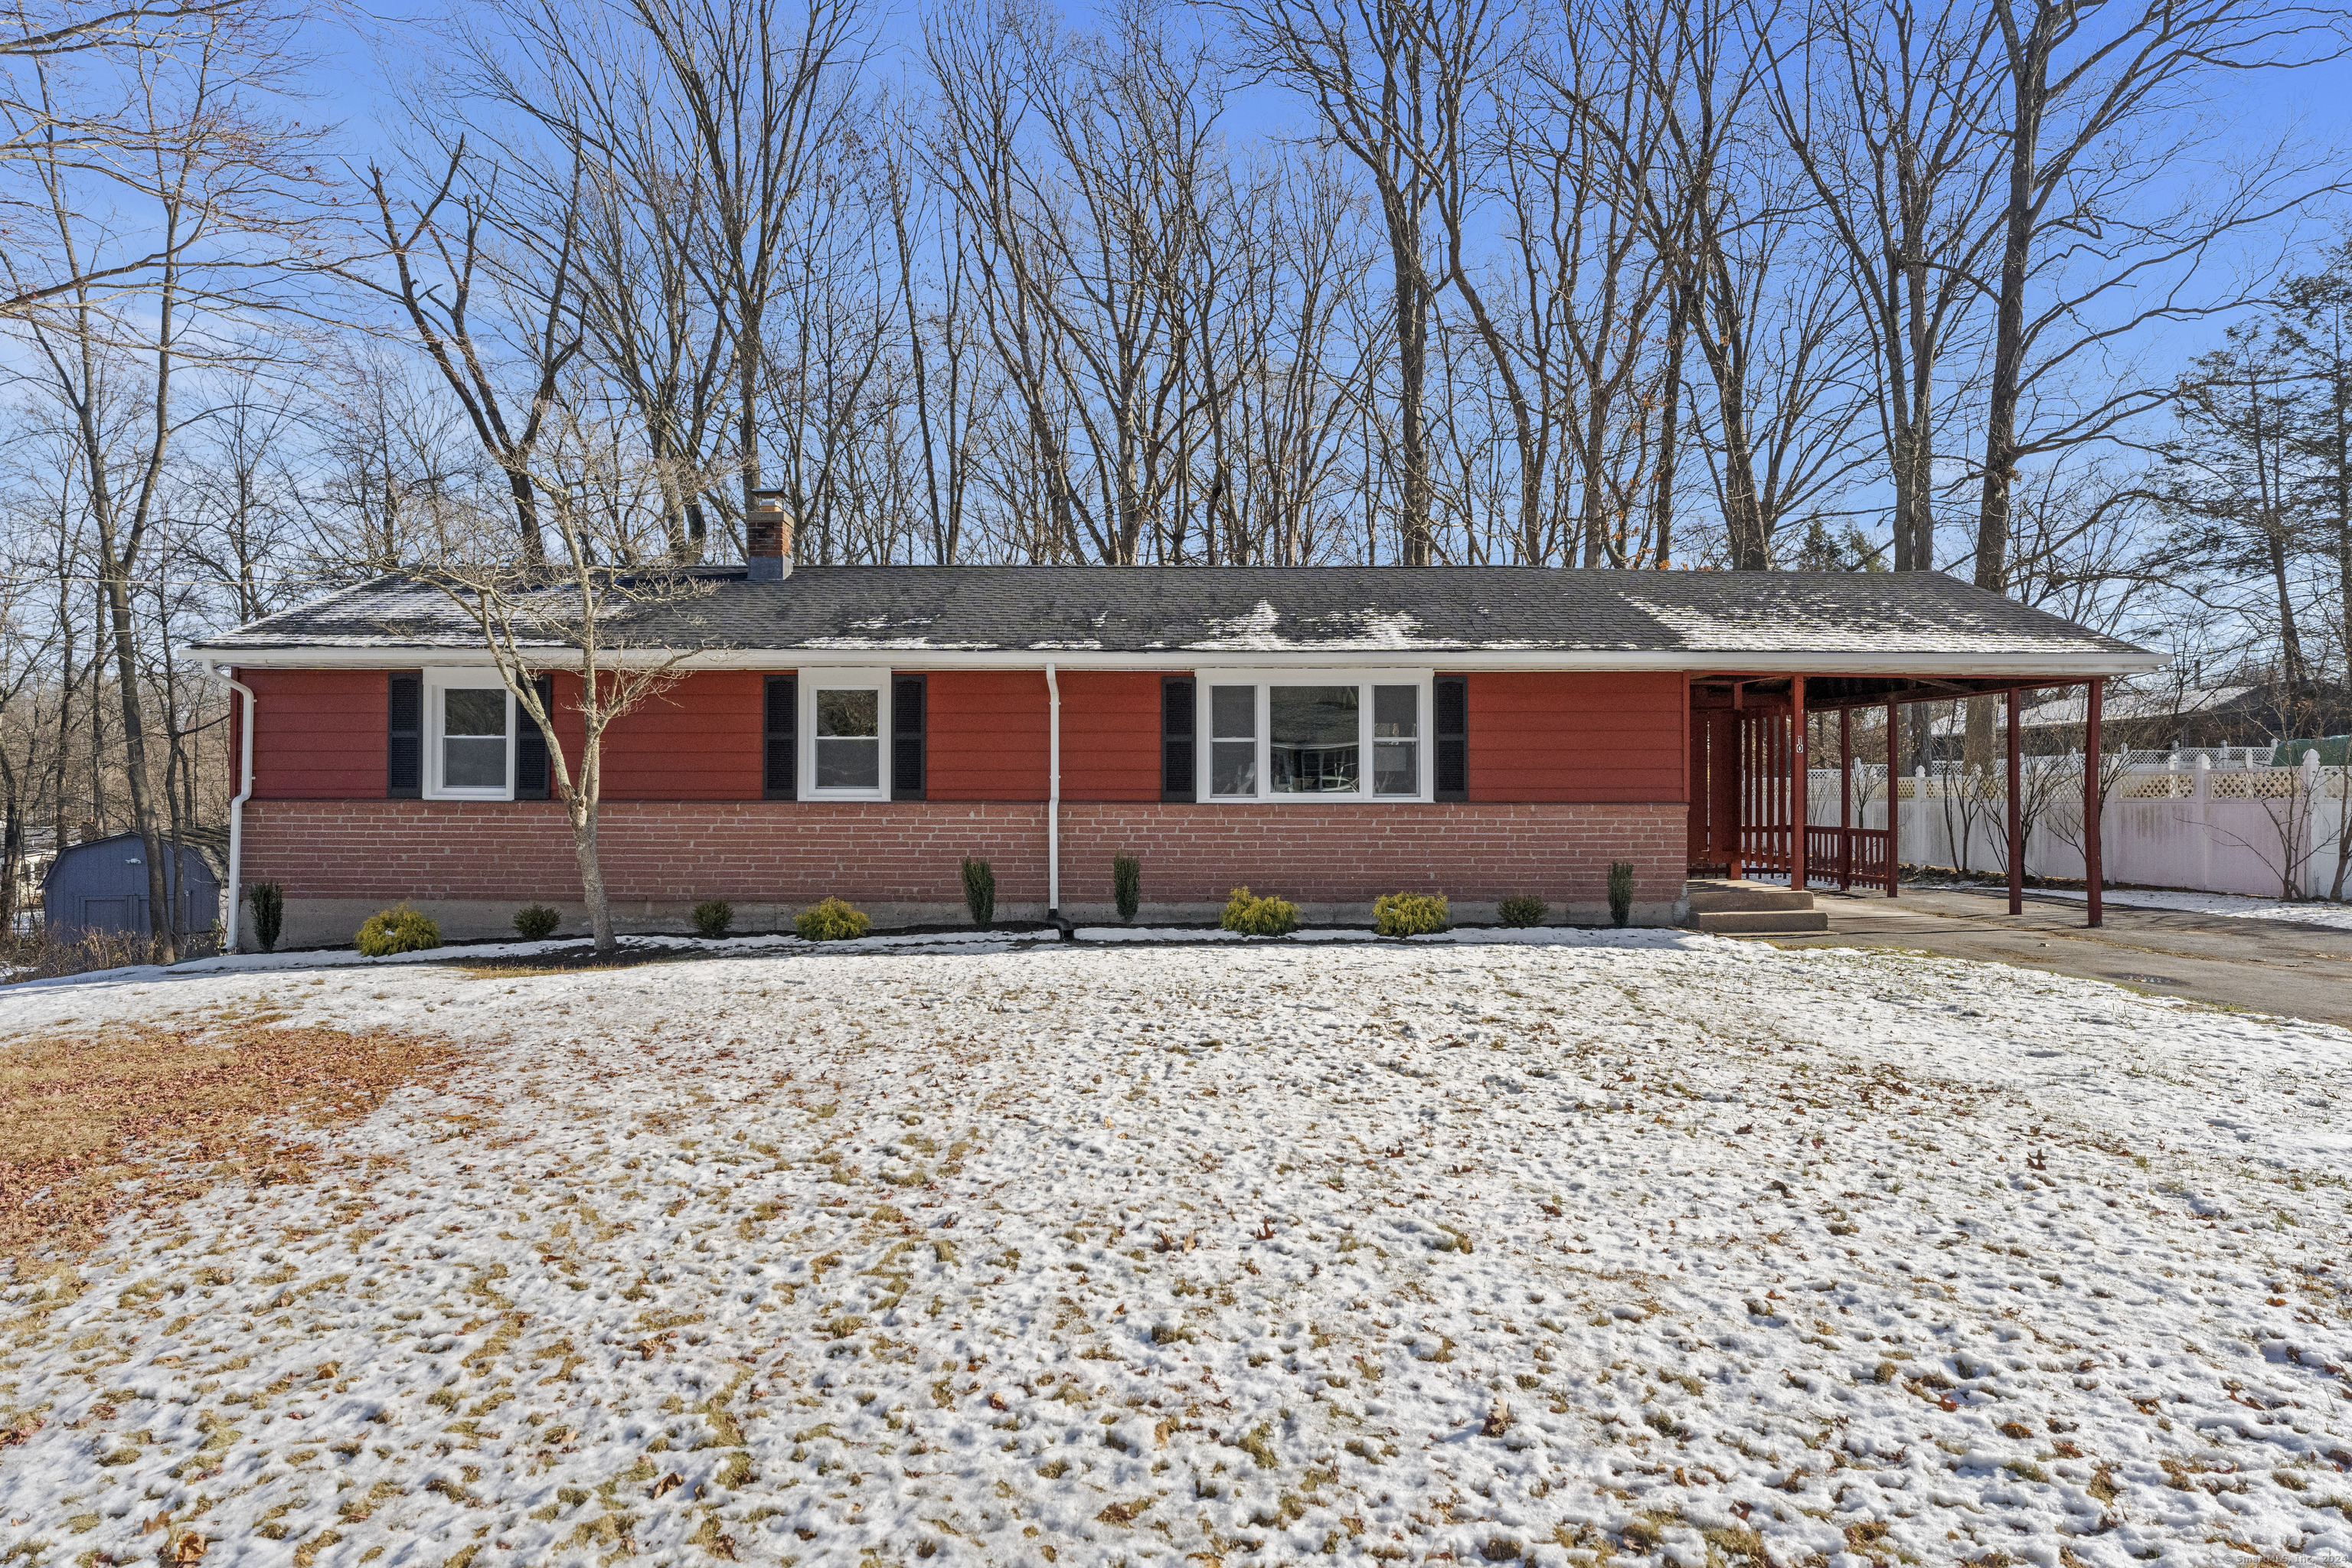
[2237, 906]
[1678, 1249]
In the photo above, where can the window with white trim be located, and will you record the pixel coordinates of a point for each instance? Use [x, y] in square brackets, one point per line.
[470, 718]
[845, 714]
[1327, 735]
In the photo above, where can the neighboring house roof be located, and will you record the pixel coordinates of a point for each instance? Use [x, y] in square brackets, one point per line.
[2119, 706]
[1027, 614]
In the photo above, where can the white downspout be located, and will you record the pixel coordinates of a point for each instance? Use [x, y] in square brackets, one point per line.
[235, 889]
[1054, 798]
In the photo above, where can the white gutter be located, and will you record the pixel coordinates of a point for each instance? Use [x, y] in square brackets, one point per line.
[2057, 667]
[236, 807]
[1052, 797]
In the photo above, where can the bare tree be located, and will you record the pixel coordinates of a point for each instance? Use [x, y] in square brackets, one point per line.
[763, 94]
[599, 610]
[1392, 82]
[542, 305]
[211, 182]
[1887, 111]
[2097, 96]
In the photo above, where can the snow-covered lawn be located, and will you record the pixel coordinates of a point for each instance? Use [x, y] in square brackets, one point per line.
[1651, 1247]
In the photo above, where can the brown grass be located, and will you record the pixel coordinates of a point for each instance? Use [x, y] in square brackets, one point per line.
[93, 1128]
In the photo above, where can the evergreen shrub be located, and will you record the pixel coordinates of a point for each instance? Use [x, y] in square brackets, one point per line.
[1252, 916]
[1523, 909]
[712, 917]
[536, 923]
[1126, 884]
[396, 929]
[1620, 892]
[268, 902]
[980, 891]
[831, 920]
[1409, 914]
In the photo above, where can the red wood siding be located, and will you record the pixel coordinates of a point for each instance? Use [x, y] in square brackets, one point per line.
[985, 735]
[1110, 736]
[318, 735]
[699, 740]
[1578, 737]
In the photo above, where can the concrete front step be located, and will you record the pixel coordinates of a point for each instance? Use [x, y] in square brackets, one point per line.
[1745, 898]
[1761, 922]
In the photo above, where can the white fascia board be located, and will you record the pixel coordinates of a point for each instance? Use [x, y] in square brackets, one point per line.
[1762, 664]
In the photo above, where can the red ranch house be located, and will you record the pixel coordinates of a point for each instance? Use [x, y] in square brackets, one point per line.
[1328, 734]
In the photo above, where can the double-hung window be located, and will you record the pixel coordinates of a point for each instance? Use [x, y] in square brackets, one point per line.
[1327, 735]
[470, 722]
[845, 714]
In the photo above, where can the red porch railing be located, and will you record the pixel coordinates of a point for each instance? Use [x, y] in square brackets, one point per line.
[1849, 853]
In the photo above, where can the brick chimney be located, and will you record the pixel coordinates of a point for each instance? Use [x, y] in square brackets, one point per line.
[768, 537]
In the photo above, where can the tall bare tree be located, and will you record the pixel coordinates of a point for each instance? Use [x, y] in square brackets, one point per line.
[1394, 83]
[2101, 100]
[1887, 110]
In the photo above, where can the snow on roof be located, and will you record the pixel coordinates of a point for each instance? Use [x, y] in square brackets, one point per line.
[1338, 609]
[2070, 709]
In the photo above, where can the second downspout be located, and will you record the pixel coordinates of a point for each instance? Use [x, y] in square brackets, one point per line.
[235, 892]
[1053, 802]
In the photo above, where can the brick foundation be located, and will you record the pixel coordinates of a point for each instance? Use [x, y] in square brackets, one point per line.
[472, 864]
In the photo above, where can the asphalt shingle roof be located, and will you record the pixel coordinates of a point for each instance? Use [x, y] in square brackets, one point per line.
[1336, 609]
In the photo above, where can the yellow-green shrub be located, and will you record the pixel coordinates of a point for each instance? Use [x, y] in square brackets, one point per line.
[1409, 914]
[398, 930]
[1252, 916]
[831, 920]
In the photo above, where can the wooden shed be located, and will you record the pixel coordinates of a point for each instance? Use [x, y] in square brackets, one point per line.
[100, 885]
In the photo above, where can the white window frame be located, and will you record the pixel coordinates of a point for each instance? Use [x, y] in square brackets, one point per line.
[843, 678]
[437, 683]
[1205, 735]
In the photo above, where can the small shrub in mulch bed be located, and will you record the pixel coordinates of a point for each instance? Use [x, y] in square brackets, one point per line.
[398, 930]
[537, 922]
[1620, 892]
[1409, 914]
[831, 920]
[1523, 909]
[1252, 915]
[980, 891]
[85, 1123]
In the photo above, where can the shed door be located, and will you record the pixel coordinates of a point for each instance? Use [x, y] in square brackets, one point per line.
[125, 913]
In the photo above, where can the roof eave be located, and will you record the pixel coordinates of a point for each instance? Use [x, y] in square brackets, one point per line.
[2071, 664]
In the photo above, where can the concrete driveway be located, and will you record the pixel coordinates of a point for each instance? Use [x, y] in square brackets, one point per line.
[2262, 966]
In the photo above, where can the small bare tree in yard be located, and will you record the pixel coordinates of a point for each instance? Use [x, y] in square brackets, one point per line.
[609, 606]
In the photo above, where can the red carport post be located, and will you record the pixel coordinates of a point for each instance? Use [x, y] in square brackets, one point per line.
[1845, 798]
[1736, 818]
[2016, 817]
[1893, 808]
[2091, 868]
[1800, 781]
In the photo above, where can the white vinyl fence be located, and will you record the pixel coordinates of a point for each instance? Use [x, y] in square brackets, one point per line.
[2194, 820]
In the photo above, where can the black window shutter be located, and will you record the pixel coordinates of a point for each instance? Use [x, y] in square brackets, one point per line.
[781, 772]
[1452, 734]
[533, 773]
[907, 695]
[1178, 705]
[403, 755]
